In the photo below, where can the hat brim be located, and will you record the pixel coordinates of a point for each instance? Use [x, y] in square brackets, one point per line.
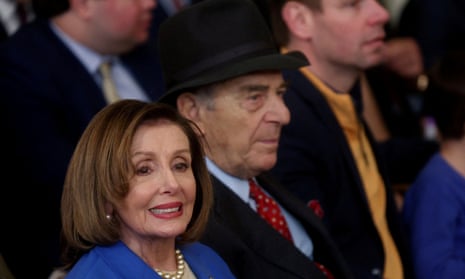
[289, 60]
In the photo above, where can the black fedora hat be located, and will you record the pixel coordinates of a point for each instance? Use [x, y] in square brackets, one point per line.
[215, 40]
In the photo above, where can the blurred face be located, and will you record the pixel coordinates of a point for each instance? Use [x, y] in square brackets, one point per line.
[162, 191]
[243, 125]
[123, 23]
[349, 32]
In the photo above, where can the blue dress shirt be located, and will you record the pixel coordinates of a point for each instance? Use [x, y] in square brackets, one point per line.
[241, 188]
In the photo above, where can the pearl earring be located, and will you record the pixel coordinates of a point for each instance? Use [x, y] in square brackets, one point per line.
[108, 216]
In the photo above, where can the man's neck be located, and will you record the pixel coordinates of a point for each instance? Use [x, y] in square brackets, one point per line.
[337, 77]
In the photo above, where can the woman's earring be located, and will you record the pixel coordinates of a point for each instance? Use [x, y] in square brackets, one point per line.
[108, 216]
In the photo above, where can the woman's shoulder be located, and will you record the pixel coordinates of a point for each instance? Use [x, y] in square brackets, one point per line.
[202, 258]
[199, 250]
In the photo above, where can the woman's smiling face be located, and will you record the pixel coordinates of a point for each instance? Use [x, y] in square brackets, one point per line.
[162, 190]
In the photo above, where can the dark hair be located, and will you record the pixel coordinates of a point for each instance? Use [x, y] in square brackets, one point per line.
[49, 8]
[91, 182]
[446, 95]
[278, 26]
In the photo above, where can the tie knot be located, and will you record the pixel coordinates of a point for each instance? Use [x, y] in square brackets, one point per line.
[105, 68]
[255, 191]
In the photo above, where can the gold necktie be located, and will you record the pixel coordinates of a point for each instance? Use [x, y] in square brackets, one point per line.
[108, 86]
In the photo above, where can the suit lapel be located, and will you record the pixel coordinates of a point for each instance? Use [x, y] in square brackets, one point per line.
[316, 101]
[325, 249]
[144, 65]
[293, 205]
[255, 232]
[3, 33]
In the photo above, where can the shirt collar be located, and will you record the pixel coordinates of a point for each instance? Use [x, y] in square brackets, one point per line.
[88, 57]
[238, 185]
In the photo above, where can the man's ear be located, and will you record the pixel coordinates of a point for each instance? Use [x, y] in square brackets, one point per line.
[82, 8]
[189, 107]
[298, 18]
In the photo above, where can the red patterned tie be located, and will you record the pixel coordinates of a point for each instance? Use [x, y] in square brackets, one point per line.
[269, 210]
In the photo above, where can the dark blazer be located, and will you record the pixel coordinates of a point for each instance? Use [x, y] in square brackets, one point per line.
[315, 163]
[253, 249]
[3, 33]
[47, 99]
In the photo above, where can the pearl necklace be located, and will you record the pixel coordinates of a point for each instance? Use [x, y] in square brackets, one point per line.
[179, 268]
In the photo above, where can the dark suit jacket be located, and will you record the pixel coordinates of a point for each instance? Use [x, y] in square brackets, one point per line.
[47, 99]
[3, 33]
[315, 163]
[253, 249]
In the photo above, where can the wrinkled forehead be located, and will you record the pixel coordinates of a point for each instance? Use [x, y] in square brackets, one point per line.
[270, 78]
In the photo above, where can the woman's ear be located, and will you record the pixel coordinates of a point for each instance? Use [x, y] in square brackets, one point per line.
[109, 211]
[298, 18]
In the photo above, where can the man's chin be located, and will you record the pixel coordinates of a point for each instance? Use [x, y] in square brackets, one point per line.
[267, 163]
[367, 64]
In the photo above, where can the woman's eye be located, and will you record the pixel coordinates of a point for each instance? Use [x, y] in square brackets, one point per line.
[143, 170]
[181, 166]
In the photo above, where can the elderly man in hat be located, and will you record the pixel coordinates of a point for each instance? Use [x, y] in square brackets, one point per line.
[223, 71]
